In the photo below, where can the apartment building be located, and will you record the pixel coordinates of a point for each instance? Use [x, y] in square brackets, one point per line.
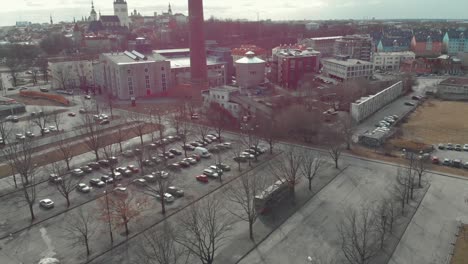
[347, 69]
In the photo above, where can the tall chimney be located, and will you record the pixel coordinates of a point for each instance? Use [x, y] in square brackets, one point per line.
[198, 69]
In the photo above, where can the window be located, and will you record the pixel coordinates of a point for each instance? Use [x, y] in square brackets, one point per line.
[129, 71]
[147, 81]
[130, 86]
[162, 68]
[146, 69]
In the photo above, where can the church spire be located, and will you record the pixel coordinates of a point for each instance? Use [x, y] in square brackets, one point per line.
[169, 10]
[51, 21]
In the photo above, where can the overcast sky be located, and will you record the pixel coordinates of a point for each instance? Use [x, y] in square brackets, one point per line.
[65, 10]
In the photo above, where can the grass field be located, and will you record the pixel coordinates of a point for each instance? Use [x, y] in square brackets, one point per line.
[460, 254]
[437, 122]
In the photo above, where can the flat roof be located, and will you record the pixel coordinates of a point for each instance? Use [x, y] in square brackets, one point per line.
[455, 81]
[121, 59]
[184, 62]
[396, 53]
[348, 62]
[326, 38]
[166, 51]
[366, 98]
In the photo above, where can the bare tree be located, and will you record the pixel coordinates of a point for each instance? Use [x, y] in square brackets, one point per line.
[401, 188]
[185, 132]
[139, 125]
[348, 126]
[159, 247]
[204, 228]
[219, 118]
[5, 130]
[65, 150]
[420, 166]
[108, 152]
[120, 136]
[381, 221]
[41, 118]
[80, 228]
[68, 183]
[57, 118]
[202, 131]
[15, 66]
[286, 167]
[250, 137]
[160, 186]
[269, 130]
[310, 166]
[63, 77]
[335, 145]
[122, 209]
[236, 151]
[243, 193]
[176, 122]
[92, 135]
[20, 156]
[359, 242]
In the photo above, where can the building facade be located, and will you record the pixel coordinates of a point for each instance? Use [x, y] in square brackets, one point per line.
[366, 106]
[324, 45]
[127, 75]
[71, 73]
[347, 69]
[222, 96]
[390, 61]
[455, 41]
[427, 44]
[121, 11]
[399, 44]
[239, 53]
[453, 89]
[289, 65]
[357, 47]
[250, 71]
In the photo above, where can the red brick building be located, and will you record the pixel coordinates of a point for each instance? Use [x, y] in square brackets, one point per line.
[427, 44]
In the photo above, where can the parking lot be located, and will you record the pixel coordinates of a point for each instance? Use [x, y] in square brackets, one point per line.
[16, 214]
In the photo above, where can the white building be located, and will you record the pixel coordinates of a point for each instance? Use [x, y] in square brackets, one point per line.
[71, 73]
[347, 69]
[250, 71]
[390, 61]
[180, 67]
[453, 89]
[366, 106]
[121, 11]
[222, 95]
[127, 75]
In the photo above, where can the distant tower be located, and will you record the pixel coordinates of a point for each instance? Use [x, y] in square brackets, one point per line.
[198, 70]
[51, 21]
[99, 14]
[77, 36]
[121, 10]
[169, 10]
[92, 15]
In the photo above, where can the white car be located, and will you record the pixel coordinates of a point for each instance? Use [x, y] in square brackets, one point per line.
[168, 198]
[140, 182]
[46, 203]
[210, 173]
[81, 187]
[77, 172]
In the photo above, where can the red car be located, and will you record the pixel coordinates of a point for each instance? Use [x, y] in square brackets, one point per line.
[195, 156]
[202, 178]
[435, 160]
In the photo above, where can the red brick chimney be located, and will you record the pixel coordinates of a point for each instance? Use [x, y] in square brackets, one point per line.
[198, 69]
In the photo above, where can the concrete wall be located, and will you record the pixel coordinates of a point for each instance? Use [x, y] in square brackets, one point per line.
[250, 74]
[365, 107]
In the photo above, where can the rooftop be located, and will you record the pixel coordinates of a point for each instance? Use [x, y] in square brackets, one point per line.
[122, 58]
[297, 52]
[171, 52]
[455, 81]
[225, 88]
[250, 59]
[327, 38]
[348, 62]
[395, 53]
[184, 62]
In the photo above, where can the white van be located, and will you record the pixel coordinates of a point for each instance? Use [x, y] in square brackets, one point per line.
[203, 152]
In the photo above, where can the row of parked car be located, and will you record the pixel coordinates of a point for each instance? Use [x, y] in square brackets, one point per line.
[457, 163]
[385, 124]
[213, 171]
[250, 154]
[450, 146]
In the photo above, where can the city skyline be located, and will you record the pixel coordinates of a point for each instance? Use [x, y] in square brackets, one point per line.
[39, 11]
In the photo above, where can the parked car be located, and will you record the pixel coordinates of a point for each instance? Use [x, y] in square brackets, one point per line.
[82, 187]
[202, 178]
[168, 198]
[139, 182]
[97, 182]
[465, 165]
[184, 163]
[12, 118]
[94, 165]
[149, 178]
[161, 174]
[29, 134]
[449, 146]
[210, 173]
[227, 144]
[107, 179]
[457, 163]
[175, 191]
[409, 104]
[441, 146]
[46, 203]
[155, 159]
[54, 178]
[71, 114]
[447, 162]
[458, 147]
[465, 147]
[120, 190]
[175, 152]
[113, 160]
[240, 158]
[104, 163]
[87, 97]
[223, 166]
[196, 157]
[133, 168]
[174, 166]
[53, 129]
[216, 169]
[168, 155]
[192, 161]
[77, 172]
[104, 122]
[435, 160]
[147, 163]
[188, 147]
[20, 136]
[86, 169]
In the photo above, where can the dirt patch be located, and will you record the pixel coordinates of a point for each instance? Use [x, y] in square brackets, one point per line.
[460, 254]
[436, 122]
[35, 101]
[78, 148]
